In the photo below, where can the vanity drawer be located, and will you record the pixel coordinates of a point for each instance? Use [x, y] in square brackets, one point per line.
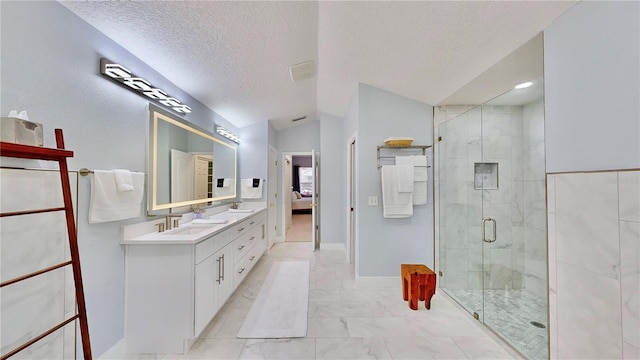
[241, 229]
[240, 246]
[209, 246]
[240, 271]
[255, 253]
[255, 219]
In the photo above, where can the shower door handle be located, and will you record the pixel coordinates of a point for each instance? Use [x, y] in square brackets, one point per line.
[484, 225]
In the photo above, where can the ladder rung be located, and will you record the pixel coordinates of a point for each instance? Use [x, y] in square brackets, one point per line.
[35, 273]
[39, 337]
[27, 212]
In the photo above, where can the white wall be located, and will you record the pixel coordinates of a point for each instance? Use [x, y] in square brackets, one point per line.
[50, 67]
[332, 179]
[592, 122]
[591, 69]
[253, 154]
[384, 244]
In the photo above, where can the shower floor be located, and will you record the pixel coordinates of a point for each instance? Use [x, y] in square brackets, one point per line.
[510, 313]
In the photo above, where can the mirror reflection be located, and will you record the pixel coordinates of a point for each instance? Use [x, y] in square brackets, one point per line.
[187, 166]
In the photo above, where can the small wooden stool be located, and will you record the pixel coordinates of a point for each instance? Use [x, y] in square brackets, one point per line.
[418, 283]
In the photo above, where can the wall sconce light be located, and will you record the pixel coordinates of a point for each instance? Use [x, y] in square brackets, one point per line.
[228, 134]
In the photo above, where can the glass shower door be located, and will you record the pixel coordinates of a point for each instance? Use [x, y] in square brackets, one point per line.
[511, 178]
[492, 218]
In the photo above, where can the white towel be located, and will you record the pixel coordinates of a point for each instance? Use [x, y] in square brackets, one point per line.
[124, 181]
[226, 182]
[394, 204]
[419, 193]
[109, 204]
[419, 160]
[247, 191]
[405, 178]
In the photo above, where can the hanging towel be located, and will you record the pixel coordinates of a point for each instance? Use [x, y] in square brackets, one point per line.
[226, 183]
[419, 167]
[247, 191]
[220, 182]
[419, 193]
[394, 203]
[405, 178]
[109, 204]
[124, 181]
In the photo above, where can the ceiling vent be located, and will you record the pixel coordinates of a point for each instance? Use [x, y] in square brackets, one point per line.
[301, 71]
[298, 119]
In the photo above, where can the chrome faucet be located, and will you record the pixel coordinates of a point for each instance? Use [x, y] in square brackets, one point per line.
[235, 204]
[175, 221]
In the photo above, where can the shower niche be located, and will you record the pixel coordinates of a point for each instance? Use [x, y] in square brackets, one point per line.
[485, 176]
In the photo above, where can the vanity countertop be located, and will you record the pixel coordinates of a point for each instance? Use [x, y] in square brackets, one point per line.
[190, 233]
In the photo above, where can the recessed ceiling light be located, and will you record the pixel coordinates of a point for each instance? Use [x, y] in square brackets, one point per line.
[523, 85]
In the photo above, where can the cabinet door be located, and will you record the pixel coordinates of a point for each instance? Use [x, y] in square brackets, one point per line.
[224, 273]
[205, 300]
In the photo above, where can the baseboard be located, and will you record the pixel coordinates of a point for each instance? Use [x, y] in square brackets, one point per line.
[366, 282]
[332, 246]
[117, 351]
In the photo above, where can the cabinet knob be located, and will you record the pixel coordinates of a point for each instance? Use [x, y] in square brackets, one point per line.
[241, 247]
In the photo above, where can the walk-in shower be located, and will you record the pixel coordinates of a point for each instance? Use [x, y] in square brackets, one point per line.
[492, 216]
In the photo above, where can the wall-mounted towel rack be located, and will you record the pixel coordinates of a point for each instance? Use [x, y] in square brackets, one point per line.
[85, 172]
[399, 150]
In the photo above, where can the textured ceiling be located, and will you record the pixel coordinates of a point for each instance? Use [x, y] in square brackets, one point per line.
[234, 56]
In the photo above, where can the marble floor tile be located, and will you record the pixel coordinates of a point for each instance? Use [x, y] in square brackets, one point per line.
[477, 347]
[351, 348]
[327, 327]
[378, 327]
[423, 348]
[345, 322]
[303, 348]
[212, 349]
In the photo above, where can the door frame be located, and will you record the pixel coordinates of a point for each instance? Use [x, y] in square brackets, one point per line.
[352, 193]
[272, 216]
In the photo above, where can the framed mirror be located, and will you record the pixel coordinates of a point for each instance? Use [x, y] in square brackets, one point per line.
[187, 165]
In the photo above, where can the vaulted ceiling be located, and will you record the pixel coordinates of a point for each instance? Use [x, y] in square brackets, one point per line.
[235, 56]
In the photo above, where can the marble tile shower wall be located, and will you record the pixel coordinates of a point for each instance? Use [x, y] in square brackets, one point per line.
[512, 136]
[594, 265]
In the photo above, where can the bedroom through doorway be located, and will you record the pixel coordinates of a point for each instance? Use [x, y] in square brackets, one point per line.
[298, 214]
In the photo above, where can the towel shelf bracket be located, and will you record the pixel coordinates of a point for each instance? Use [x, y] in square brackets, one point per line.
[383, 148]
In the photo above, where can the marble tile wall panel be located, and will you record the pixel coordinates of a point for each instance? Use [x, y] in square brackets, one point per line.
[587, 222]
[629, 184]
[594, 312]
[552, 266]
[589, 323]
[630, 281]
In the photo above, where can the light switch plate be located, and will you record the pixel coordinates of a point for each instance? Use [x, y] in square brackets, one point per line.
[373, 201]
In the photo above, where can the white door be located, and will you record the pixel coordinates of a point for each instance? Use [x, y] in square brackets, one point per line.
[315, 228]
[272, 195]
[352, 201]
[182, 185]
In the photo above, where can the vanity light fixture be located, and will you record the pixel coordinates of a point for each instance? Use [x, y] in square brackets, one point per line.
[228, 134]
[523, 85]
[124, 77]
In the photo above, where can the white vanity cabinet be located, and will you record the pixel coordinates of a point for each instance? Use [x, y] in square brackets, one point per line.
[213, 278]
[174, 289]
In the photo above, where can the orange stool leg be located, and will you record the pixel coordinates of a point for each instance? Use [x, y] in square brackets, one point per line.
[414, 290]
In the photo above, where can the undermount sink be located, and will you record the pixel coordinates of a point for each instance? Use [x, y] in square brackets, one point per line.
[240, 210]
[190, 230]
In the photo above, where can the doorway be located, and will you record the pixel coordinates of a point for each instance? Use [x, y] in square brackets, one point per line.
[300, 197]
